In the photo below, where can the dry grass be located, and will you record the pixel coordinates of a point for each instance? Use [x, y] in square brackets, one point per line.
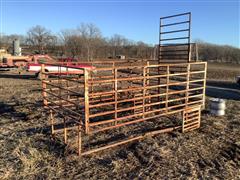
[221, 71]
[27, 152]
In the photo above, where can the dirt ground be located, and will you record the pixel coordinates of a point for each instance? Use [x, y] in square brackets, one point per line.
[28, 152]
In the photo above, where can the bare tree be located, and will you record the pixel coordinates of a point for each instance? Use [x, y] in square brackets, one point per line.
[142, 49]
[73, 43]
[117, 42]
[39, 37]
[91, 36]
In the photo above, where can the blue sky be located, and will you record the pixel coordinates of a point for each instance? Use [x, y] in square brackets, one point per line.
[212, 21]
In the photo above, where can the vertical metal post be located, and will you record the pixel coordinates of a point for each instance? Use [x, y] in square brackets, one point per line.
[190, 52]
[86, 100]
[187, 85]
[52, 122]
[91, 75]
[189, 40]
[199, 117]
[115, 94]
[159, 45]
[159, 57]
[148, 84]
[144, 89]
[204, 85]
[65, 130]
[67, 84]
[167, 88]
[79, 140]
[183, 120]
[44, 85]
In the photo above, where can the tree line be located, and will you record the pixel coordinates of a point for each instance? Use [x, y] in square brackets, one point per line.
[84, 42]
[87, 42]
[218, 53]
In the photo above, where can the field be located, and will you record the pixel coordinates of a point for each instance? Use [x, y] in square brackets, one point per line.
[28, 152]
[223, 71]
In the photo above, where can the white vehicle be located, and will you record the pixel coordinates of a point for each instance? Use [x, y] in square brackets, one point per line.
[54, 69]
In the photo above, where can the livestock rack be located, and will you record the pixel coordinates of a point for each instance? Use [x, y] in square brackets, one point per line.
[119, 101]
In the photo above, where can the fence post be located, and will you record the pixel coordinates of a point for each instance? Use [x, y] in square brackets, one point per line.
[115, 93]
[187, 85]
[44, 85]
[86, 100]
[144, 88]
[167, 87]
[79, 140]
[204, 85]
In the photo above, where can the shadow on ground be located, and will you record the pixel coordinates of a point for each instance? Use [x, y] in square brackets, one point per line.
[18, 76]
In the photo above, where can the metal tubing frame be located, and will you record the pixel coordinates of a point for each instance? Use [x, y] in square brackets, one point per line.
[174, 55]
[82, 113]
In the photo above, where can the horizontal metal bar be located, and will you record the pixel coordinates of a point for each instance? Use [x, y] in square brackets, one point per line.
[172, 39]
[142, 66]
[189, 123]
[141, 88]
[60, 97]
[63, 88]
[178, 64]
[65, 66]
[177, 50]
[49, 101]
[71, 99]
[134, 78]
[101, 104]
[131, 116]
[191, 115]
[101, 93]
[173, 55]
[140, 98]
[151, 133]
[176, 15]
[173, 60]
[173, 24]
[101, 114]
[181, 30]
[62, 79]
[73, 117]
[174, 44]
[198, 80]
[145, 105]
[56, 89]
[73, 112]
[191, 128]
[193, 119]
[197, 72]
[118, 79]
[119, 67]
[136, 121]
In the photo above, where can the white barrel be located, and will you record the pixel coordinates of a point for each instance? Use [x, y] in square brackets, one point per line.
[217, 106]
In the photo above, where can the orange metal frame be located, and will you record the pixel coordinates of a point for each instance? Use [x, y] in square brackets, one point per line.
[117, 94]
